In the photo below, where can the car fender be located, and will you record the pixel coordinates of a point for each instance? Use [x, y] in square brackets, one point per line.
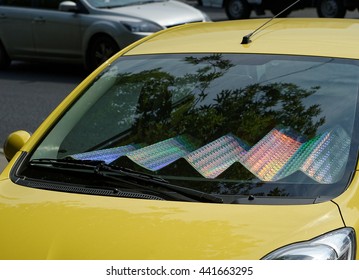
[109, 28]
[348, 203]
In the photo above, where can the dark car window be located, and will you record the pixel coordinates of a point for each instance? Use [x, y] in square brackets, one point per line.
[16, 3]
[224, 123]
[49, 4]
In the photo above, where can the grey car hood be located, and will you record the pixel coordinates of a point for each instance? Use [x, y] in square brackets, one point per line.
[166, 13]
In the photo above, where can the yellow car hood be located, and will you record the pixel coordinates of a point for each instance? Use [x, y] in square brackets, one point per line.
[41, 224]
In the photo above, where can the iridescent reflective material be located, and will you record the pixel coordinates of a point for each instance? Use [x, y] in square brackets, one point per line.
[161, 154]
[279, 154]
[328, 156]
[107, 155]
[214, 158]
[322, 158]
[268, 156]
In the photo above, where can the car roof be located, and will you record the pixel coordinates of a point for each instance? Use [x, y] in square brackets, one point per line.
[314, 36]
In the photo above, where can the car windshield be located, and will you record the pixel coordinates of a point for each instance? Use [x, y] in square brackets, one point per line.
[119, 3]
[227, 124]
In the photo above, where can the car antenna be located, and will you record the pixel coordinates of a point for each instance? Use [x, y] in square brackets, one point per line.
[247, 38]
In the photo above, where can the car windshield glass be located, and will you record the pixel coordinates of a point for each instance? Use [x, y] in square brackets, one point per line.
[233, 124]
[119, 3]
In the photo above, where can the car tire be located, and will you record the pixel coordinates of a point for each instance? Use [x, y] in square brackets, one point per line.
[237, 9]
[4, 58]
[331, 9]
[100, 49]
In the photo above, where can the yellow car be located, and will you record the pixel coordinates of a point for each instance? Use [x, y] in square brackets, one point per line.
[227, 140]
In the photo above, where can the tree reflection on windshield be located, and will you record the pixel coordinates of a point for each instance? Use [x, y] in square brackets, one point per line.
[166, 111]
[192, 103]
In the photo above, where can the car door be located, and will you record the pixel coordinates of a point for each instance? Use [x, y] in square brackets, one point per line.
[56, 33]
[16, 27]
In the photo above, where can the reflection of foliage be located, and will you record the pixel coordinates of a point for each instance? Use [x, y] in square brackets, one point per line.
[257, 109]
[216, 67]
[155, 104]
[247, 112]
[277, 192]
[165, 101]
[250, 112]
[170, 106]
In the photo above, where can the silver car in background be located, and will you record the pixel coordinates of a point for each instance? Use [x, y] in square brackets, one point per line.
[242, 9]
[83, 31]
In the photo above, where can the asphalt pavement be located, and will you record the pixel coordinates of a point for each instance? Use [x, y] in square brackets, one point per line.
[3, 161]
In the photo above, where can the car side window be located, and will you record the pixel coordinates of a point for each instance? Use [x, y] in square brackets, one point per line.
[16, 3]
[49, 4]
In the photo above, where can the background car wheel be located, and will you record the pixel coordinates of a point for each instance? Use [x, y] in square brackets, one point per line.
[237, 9]
[101, 48]
[4, 58]
[331, 8]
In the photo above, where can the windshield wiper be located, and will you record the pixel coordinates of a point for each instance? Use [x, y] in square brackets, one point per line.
[128, 176]
[154, 181]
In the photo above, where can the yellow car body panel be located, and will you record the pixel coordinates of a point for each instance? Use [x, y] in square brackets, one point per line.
[54, 225]
[285, 36]
[41, 224]
[349, 205]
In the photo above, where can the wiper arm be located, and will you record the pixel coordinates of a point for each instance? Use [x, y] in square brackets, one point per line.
[66, 162]
[125, 175]
[154, 181]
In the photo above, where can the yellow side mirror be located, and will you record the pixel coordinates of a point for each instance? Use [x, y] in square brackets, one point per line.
[14, 142]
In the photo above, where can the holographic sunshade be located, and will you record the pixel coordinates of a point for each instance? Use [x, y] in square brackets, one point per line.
[276, 156]
[107, 155]
[214, 158]
[280, 154]
[161, 154]
[271, 153]
[325, 157]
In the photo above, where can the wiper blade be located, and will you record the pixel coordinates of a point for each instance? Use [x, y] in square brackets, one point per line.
[125, 175]
[71, 164]
[149, 180]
